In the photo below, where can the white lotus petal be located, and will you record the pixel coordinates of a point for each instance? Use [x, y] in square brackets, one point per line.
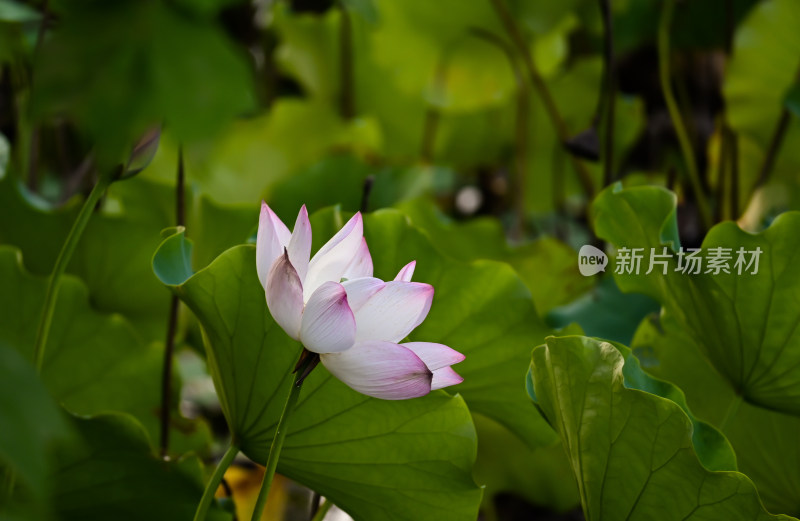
[285, 296]
[391, 313]
[300, 243]
[328, 325]
[445, 377]
[406, 272]
[434, 355]
[272, 237]
[360, 290]
[361, 265]
[381, 369]
[331, 261]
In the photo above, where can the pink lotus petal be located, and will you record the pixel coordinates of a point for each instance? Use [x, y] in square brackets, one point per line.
[445, 377]
[361, 265]
[406, 272]
[285, 296]
[272, 237]
[381, 369]
[359, 291]
[435, 356]
[331, 261]
[328, 325]
[300, 243]
[393, 312]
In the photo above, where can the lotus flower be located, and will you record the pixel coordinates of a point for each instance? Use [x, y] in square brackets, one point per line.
[335, 308]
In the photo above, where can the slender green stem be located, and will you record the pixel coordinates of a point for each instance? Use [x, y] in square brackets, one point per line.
[323, 509]
[609, 92]
[513, 30]
[213, 483]
[43, 330]
[674, 112]
[277, 444]
[733, 408]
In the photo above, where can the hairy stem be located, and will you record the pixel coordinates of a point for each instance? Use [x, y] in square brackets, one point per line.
[674, 112]
[64, 256]
[172, 321]
[213, 483]
[539, 84]
[609, 93]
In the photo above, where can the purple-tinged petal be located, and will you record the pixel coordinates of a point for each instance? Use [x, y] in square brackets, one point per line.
[393, 312]
[445, 377]
[328, 325]
[300, 243]
[435, 356]
[381, 369]
[359, 291]
[285, 296]
[272, 237]
[331, 261]
[361, 265]
[406, 272]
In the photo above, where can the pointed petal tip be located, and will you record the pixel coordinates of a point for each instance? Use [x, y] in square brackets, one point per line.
[406, 272]
[445, 377]
[436, 356]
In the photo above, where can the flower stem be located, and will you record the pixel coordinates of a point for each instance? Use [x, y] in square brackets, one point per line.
[216, 479]
[63, 259]
[323, 509]
[277, 444]
[674, 112]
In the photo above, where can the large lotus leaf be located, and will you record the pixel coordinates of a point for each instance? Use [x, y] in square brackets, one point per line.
[755, 87]
[93, 362]
[252, 154]
[31, 422]
[142, 48]
[485, 238]
[767, 443]
[113, 256]
[634, 454]
[744, 323]
[376, 459]
[112, 474]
